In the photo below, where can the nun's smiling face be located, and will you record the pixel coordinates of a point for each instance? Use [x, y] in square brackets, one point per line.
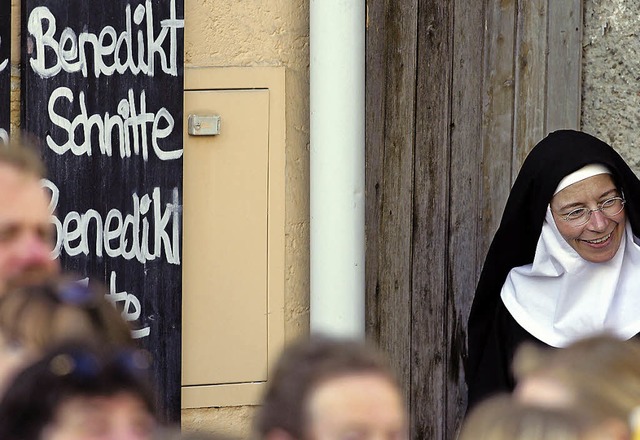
[599, 238]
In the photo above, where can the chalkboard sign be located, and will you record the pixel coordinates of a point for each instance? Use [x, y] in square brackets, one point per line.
[5, 70]
[103, 90]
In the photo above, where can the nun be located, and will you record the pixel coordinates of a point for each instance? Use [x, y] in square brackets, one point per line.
[564, 263]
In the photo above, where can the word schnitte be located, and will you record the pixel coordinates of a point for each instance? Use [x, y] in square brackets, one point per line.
[128, 125]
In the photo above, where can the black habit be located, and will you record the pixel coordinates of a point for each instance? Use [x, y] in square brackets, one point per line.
[493, 334]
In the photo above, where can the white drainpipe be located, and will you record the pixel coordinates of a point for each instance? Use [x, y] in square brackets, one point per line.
[337, 75]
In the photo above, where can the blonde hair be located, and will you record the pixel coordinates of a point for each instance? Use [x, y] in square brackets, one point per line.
[600, 372]
[502, 418]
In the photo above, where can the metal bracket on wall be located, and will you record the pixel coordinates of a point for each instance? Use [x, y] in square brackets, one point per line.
[203, 125]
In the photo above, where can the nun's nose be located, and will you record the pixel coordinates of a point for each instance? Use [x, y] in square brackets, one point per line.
[598, 221]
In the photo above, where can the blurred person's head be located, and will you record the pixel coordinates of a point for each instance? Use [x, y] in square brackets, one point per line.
[503, 418]
[78, 391]
[326, 389]
[599, 372]
[36, 317]
[26, 230]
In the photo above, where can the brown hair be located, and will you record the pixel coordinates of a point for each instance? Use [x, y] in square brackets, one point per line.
[61, 309]
[22, 154]
[301, 368]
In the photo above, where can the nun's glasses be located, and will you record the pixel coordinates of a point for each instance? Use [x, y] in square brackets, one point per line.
[581, 216]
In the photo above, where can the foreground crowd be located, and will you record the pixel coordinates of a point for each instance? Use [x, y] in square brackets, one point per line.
[70, 369]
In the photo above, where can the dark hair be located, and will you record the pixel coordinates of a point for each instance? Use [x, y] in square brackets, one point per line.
[302, 367]
[72, 370]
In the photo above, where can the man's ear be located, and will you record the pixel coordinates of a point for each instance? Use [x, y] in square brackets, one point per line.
[278, 434]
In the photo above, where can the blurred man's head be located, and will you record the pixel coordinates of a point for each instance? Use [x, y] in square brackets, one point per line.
[26, 231]
[38, 317]
[326, 389]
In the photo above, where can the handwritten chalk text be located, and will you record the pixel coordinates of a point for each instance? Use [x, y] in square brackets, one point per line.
[141, 234]
[129, 125]
[130, 310]
[131, 307]
[111, 52]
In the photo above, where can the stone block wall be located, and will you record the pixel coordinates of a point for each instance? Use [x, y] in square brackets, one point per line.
[611, 75]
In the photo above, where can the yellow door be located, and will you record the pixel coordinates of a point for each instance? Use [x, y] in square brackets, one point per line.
[225, 239]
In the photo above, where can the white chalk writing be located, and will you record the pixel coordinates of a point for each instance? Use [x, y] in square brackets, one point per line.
[112, 52]
[130, 308]
[130, 301]
[129, 124]
[141, 234]
[141, 42]
[4, 136]
[5, 62]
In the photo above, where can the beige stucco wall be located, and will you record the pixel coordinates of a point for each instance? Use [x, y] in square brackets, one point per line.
[268, 33]
[611, 75]
[263, 33]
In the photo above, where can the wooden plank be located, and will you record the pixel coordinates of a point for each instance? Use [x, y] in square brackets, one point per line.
[498, 106]
[391, 53]
[530, 99]
[564, 65]
[375, 83]
[429, 345]
[464, 199]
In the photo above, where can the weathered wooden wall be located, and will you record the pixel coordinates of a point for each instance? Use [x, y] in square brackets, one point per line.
[457, 95]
